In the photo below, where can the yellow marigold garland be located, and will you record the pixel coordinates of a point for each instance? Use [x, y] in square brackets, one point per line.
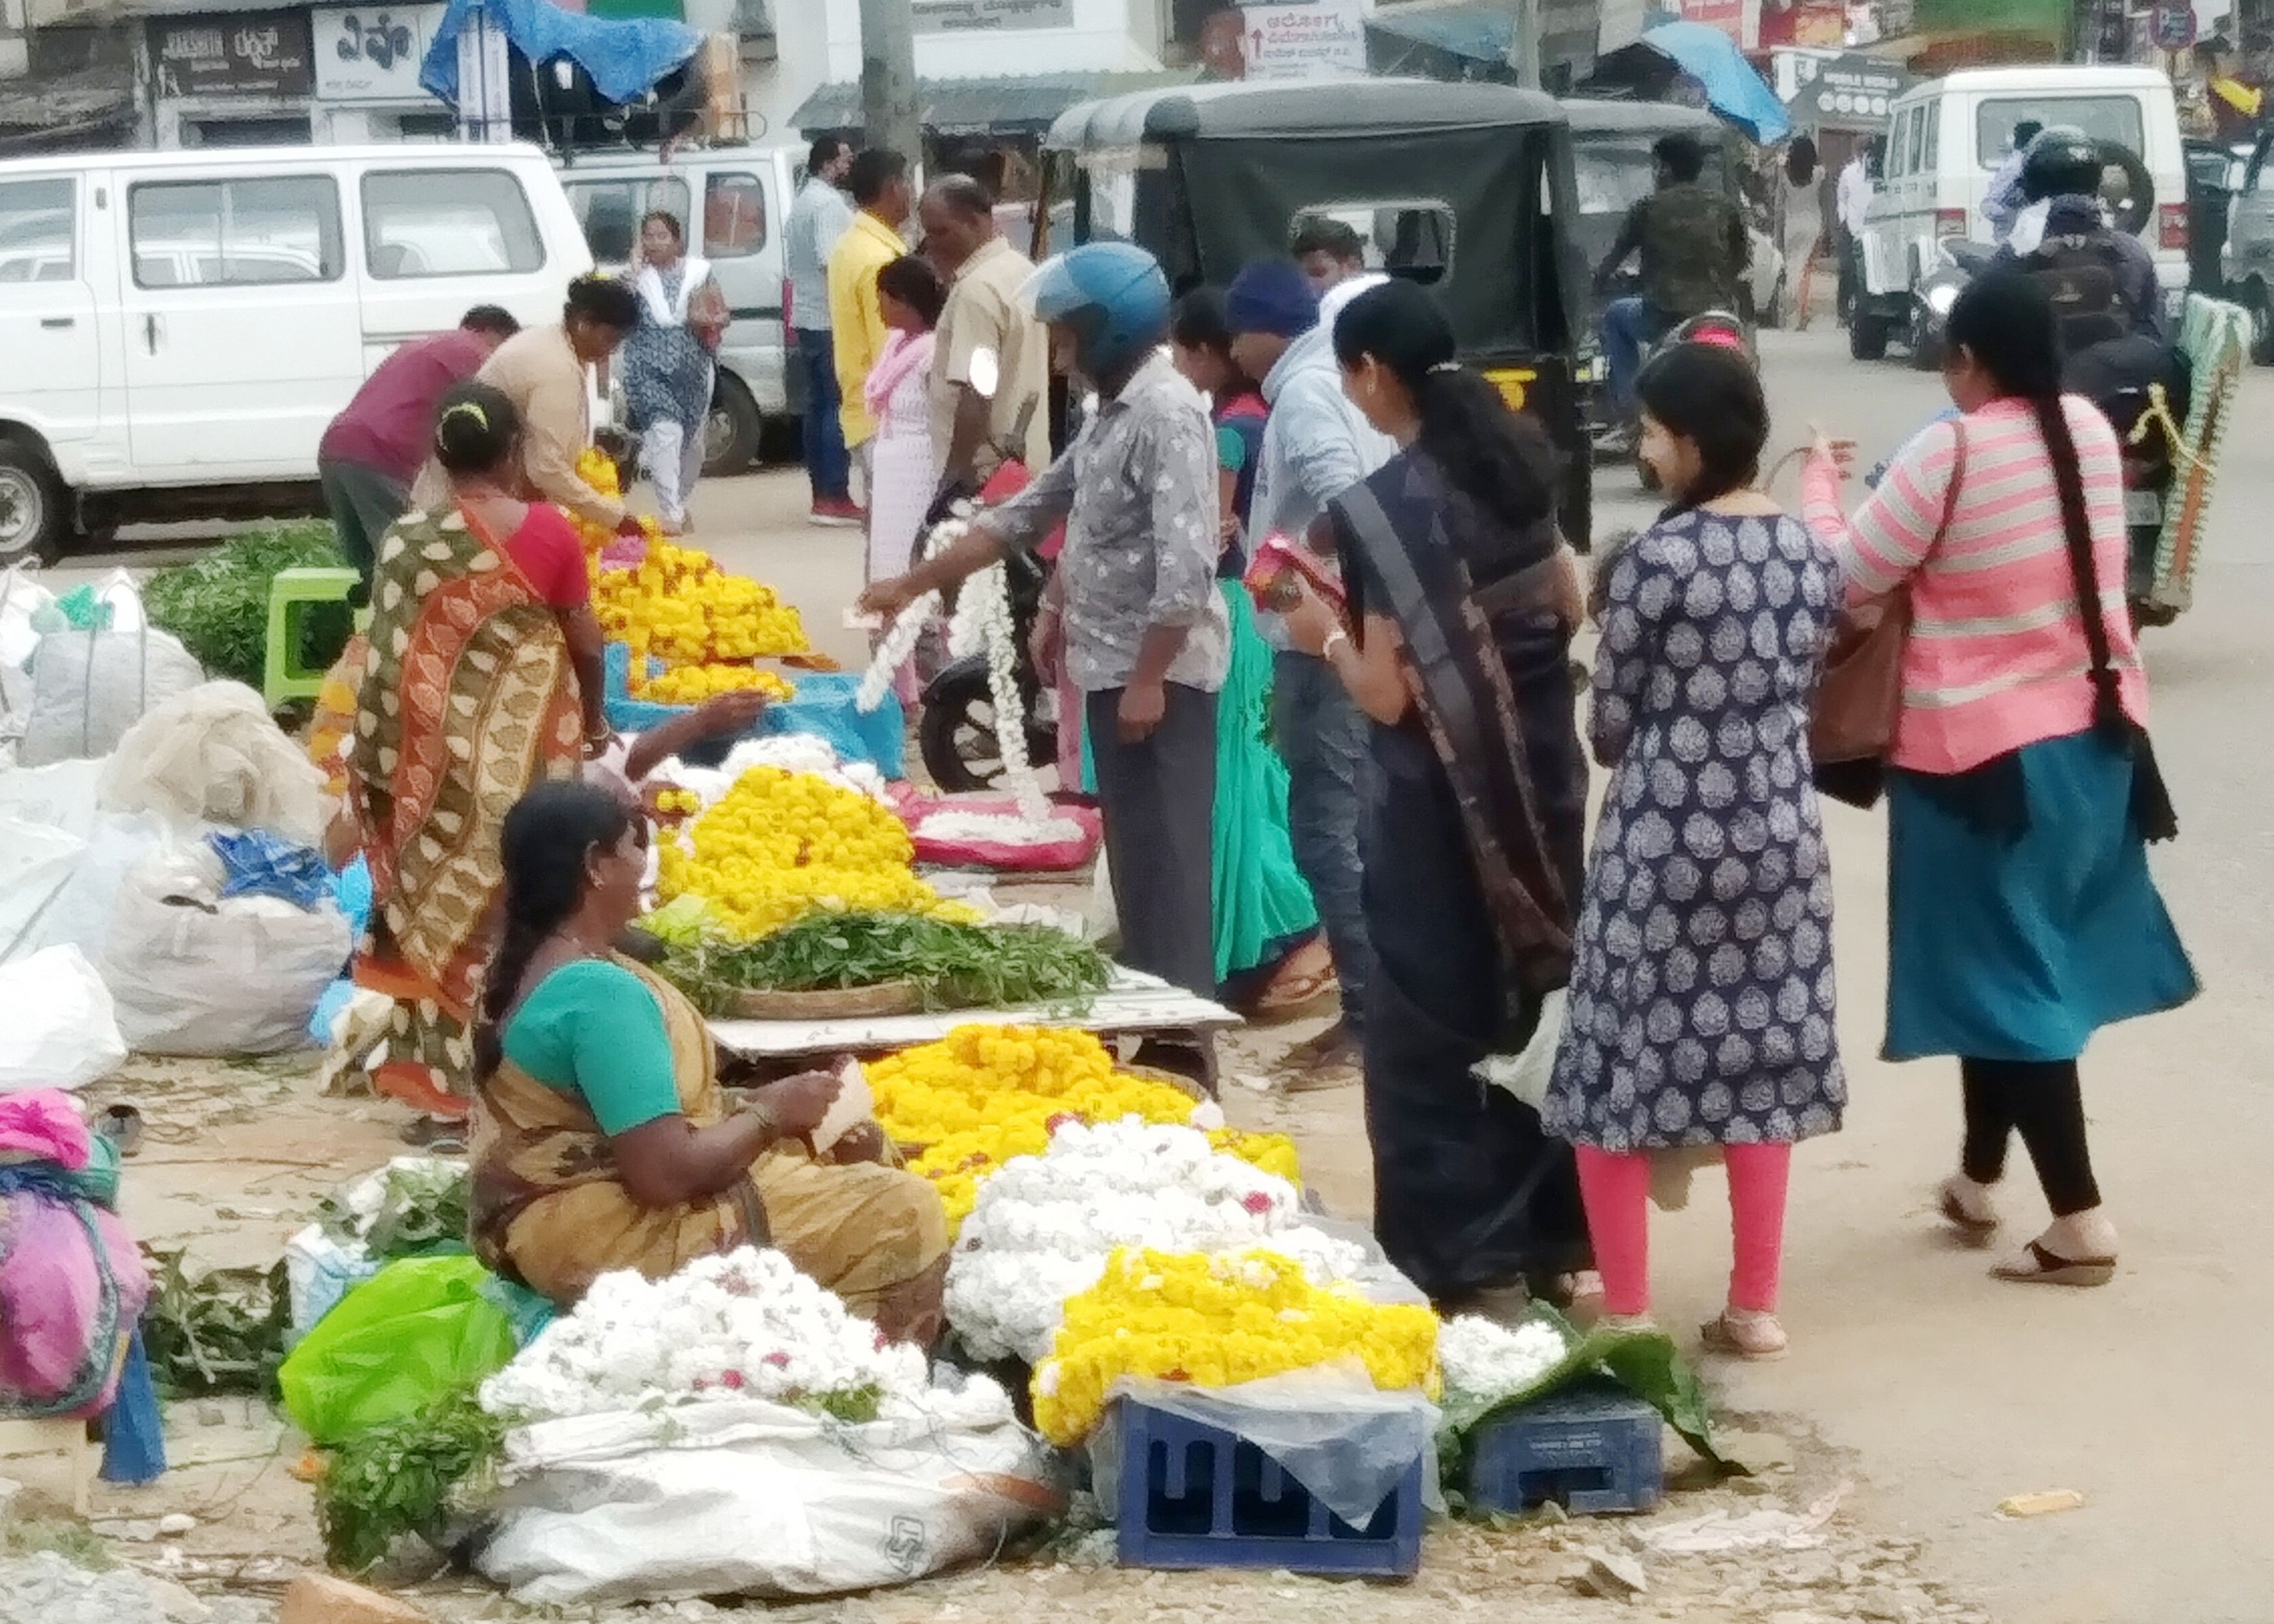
[983, 1094]
[1215, 1321]
[780, 843]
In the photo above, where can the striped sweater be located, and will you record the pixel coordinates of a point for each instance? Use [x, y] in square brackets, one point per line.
[1995, 657]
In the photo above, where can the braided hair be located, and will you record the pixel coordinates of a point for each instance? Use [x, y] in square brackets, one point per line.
[548, 837]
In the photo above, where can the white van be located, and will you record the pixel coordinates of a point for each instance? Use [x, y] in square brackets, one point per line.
[1945, 141]
[179, 327]
[733, 202]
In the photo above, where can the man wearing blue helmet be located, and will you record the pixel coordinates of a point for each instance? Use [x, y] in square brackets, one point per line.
[1134, 611]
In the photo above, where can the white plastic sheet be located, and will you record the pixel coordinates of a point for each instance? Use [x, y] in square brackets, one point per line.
[213, 754]
[36, 862]
[56, 1029]
[750, 1498]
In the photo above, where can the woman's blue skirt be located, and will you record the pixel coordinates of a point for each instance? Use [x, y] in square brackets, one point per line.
[2020, 948]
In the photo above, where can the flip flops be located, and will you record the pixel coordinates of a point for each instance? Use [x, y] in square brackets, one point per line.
[2038, 1266]
[1758, 1339]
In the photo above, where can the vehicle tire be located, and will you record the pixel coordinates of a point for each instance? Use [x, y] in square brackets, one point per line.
[1867, 335]
[1926, 353]
[955, 734]
[2260, 304]
[732, 433]
[35, 508]
[2139, 185]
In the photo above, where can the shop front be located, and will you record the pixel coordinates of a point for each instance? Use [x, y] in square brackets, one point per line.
[230, 78]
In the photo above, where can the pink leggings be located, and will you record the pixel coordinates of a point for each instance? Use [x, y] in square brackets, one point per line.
[1616, 1189]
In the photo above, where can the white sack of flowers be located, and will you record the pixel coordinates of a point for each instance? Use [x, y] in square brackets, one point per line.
[734, 1431]
[1044, 1226]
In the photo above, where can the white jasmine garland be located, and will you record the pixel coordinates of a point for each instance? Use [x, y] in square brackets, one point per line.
[899, 643]
[746, 1324]
[1488, 1362]
[1044, 1226]
[983, 621]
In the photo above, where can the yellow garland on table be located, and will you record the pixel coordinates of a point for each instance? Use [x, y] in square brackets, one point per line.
[595, 467]
[691, 685]
[1215, 1322]
[983, 1094]
[780, 843]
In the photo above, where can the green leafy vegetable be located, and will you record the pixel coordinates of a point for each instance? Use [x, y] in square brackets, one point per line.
[218, 606]
[421, 1211]
[223, 1332]
[952, 965]
[406, 1476]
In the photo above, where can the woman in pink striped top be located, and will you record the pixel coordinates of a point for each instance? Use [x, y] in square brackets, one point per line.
[2021, 792]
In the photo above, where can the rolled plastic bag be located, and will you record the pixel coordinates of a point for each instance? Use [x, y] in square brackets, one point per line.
[412, 1333]
[213, 754]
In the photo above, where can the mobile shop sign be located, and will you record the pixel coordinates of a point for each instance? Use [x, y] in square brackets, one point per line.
[1305, 38]
[1849, 91]
[373, 53]
[990, 16]
[252, 54]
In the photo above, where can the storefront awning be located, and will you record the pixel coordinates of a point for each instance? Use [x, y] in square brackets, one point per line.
[91, 109]
[1028, 103]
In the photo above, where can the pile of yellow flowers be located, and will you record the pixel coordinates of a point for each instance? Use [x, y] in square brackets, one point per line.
[983, 1094]
[780, 843]
[678, 604]
[691, 685]
[1215, 1320]
[597, 469]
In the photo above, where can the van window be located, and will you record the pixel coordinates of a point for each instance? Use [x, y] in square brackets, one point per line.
[236, 233]
[1898, 140]
[447, 222]
[2105, 118]
[36, 238]
[610, 211]
[733, 216]
[1930, 136]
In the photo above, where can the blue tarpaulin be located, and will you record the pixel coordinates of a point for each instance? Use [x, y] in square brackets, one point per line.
[1733, 89]
[625, 57]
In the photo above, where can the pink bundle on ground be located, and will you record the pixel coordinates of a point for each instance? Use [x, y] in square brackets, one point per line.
[42, 1125]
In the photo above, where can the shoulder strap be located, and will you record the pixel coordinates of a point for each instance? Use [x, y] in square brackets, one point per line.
[1957, 479]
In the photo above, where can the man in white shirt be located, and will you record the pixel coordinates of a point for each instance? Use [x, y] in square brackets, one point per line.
[817, 219]
[1851, 204]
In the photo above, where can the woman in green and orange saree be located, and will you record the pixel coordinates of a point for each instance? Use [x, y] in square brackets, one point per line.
[484, 679]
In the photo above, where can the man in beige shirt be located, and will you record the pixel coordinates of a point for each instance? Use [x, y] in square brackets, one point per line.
[542, 372]
[972, 432]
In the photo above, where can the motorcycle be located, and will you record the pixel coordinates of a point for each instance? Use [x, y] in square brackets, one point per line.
[1614, 440]
[956, 733]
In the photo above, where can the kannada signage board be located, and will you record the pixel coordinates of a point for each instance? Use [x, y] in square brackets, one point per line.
[242, 54]
[1846, 90]
[1305, 39]
[373, 53]
[990, 16]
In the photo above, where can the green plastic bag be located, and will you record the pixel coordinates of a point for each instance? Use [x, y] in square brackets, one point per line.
[416, 1331]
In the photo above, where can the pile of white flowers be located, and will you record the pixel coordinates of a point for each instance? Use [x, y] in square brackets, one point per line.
[1044, 1226]
[1484, 1362]
[791, 752]
[998, 828]
[746, 1324]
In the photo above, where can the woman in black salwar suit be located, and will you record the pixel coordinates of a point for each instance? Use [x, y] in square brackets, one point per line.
[1456, 639]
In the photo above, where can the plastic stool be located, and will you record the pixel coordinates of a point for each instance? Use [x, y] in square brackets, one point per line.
[284, 677]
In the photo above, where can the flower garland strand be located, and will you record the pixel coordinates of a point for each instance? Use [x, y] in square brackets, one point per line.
[893, 651]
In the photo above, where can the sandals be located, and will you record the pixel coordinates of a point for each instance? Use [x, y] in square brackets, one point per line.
[2039, 1266]
[1971, 1230]
[1757, 1338]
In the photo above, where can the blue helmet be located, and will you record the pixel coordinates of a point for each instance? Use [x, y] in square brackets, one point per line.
[1112, 296]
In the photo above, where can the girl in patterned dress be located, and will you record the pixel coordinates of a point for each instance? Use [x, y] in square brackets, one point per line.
[1701, 997]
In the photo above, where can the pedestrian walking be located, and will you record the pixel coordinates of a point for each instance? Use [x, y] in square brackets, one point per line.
[1316, 445]
[2022, 790]
[817, 219]
[374, 448]
[1136, 617]
[1270, 956]
[991, 384]
[1852, 207]
[898, 396]
[670, 361]
[1702, 994]
[878, 181]
[1462, 603]
[1804, 227]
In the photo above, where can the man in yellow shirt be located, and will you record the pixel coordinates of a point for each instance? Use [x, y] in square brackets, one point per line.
[879, 184]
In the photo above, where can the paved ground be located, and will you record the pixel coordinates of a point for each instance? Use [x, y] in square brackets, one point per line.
[1941, 1390]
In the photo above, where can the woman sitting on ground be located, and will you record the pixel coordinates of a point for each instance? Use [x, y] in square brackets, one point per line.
[602, 1139]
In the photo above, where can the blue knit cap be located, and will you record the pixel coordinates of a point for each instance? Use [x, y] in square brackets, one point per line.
[1274, 297]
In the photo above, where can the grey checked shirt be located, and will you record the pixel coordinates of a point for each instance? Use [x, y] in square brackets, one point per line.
[1137, 493]
[817, 219]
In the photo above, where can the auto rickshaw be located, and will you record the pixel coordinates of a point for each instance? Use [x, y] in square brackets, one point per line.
[1467, 189]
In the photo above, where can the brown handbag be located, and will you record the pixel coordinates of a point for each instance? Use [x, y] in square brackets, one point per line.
[1862, 691]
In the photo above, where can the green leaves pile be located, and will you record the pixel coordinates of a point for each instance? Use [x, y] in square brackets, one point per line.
[222, 1332]
[423, 1211]
[406, 1476]
[218, 606]
[952, 965]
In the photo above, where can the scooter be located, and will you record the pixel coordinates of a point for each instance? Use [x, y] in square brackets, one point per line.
[1615, 440]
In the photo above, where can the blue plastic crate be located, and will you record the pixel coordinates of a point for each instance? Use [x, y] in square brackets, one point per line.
[1191, 1495]
[1592, 1448]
